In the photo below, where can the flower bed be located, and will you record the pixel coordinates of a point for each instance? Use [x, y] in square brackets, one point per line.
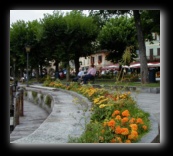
[115, 117]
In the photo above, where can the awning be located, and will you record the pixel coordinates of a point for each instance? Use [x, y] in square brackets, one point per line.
[132, 65]
[151, 64]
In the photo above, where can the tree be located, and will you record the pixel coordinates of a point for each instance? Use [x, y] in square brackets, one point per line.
[142, 48]
[82, 32]
[117, 34]
[141, 42]
[18, 38]
[54, 27]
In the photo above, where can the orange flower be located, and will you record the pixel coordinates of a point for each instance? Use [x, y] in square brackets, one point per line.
[113, 140]
[139, 120]
[133, 135]
[134, 127]
[118, 117]
[118, 130]
[125, 113]
[132, 120]
[116, 112]
[124, 131]
[144, 127]
[111, 123]
[127, 141]
[124, 120]
[119, 139]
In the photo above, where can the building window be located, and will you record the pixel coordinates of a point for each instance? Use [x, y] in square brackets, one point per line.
[99, 59]
[92, 60]
[154, 36]
[158, 51]
[151, 54]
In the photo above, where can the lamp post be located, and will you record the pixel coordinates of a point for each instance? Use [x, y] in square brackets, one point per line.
[28, 48]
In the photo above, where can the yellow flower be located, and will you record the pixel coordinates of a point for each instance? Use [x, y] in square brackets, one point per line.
[102, 106]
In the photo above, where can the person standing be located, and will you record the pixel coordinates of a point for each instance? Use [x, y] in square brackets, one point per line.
[90, 74]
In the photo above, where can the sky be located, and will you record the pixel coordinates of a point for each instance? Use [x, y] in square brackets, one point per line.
[28, 15]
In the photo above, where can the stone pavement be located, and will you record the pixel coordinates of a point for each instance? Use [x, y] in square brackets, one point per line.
[33, 117]
[67, 118]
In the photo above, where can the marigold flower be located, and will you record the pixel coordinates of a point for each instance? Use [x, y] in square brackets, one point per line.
[124, 120]
[119, 139]
[132, 120]
[139, 120]
[134, 127]
[118, 117]
[96, 100]
[102, 101]
[144, 127]
[133, 135]
[125, 113]
[111, 123]
[118, 130]
[128, 141]
[116, 112]
[113, 140]
[124, 131]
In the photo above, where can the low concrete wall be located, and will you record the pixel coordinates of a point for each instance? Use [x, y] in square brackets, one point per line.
[39, 98]
[132, 88]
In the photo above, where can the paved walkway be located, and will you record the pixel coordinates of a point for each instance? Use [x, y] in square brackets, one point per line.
[67, 118]
[33, 117]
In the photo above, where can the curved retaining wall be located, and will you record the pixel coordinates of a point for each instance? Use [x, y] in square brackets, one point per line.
[45, 91]
[39, 99]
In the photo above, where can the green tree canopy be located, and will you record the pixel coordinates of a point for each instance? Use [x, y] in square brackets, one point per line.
[117, 34]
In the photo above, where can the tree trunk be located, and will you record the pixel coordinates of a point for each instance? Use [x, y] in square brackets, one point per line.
[142, 48]
[56, 64]
[37, 73]
[67, 72]
[76, 61]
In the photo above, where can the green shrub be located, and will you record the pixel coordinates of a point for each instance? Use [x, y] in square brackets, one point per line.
[41, 96]
[48, 100]
[25, 93]
[34, 94]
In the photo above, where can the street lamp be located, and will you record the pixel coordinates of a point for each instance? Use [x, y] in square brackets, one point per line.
[28, 48]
